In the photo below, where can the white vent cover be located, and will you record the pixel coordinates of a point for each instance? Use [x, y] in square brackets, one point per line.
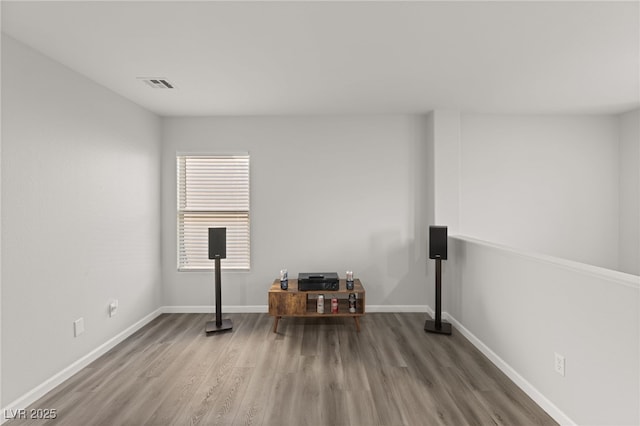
[157, 83]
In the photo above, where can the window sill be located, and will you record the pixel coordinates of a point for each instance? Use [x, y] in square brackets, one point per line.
[213, 269]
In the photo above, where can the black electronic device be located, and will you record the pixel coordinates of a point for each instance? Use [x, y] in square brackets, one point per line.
[318, 281]
[438, 242]
[217, 251]
[217, 243]
[438, 251]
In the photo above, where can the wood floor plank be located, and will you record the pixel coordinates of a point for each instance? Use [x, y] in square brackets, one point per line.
[168, 398]
[212, 387]
[254, 405]
[312, 372]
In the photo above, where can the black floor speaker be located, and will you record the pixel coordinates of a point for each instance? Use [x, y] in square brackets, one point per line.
[217, 251]
[438, 242]
[438, 251]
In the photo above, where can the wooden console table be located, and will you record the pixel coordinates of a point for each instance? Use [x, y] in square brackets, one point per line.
[295, 303]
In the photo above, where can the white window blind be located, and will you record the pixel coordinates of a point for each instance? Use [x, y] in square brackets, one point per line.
[213, 191]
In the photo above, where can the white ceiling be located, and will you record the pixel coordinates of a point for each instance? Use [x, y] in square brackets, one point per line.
[246, 58]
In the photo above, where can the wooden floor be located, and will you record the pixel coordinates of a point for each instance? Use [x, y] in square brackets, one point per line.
[312, 372]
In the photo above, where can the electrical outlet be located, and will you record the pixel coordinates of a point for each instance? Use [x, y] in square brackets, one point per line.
[559, 364]
[78, 327]
[113, 308]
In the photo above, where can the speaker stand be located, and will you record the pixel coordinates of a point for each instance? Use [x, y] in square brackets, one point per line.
[219, 324]
[437, 325]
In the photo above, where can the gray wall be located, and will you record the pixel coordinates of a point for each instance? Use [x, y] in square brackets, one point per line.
[80, 217]
[327, 194]
[547, 184]
[630, 192]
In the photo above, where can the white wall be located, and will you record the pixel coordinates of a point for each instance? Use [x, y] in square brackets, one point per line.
[630, 192]
[80, 217]
[1, 405]
[446, 179]
[522, 308]
[327, 194]
[547, 184]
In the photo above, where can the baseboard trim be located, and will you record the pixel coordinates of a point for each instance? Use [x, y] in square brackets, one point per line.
[396, 308]
[57, 379]
[206, 309]
[520, 381]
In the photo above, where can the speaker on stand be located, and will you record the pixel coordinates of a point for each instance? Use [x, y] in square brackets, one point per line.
[438, 251]
[217, 251]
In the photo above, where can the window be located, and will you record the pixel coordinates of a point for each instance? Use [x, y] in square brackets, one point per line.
[213, 191]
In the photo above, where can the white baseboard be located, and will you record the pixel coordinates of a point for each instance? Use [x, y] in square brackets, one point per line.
[520, 381]
[396, 308]
[432, 312]
[40, 390]
[208, 309]
[205, 309]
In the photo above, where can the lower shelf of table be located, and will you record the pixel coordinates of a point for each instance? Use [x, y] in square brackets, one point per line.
[356, 318]
[343, 309]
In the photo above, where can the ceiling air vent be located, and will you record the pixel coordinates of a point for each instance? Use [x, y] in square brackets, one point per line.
[157, 83]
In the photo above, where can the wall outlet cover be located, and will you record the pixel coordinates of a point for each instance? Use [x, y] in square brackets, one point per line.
[113, 308]
[78, 327]
[559, 364]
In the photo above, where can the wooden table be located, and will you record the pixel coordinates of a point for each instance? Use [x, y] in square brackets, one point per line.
[295, 303]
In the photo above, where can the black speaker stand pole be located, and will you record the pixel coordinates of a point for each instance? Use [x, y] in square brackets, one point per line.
[436, 325]
[219, 324]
